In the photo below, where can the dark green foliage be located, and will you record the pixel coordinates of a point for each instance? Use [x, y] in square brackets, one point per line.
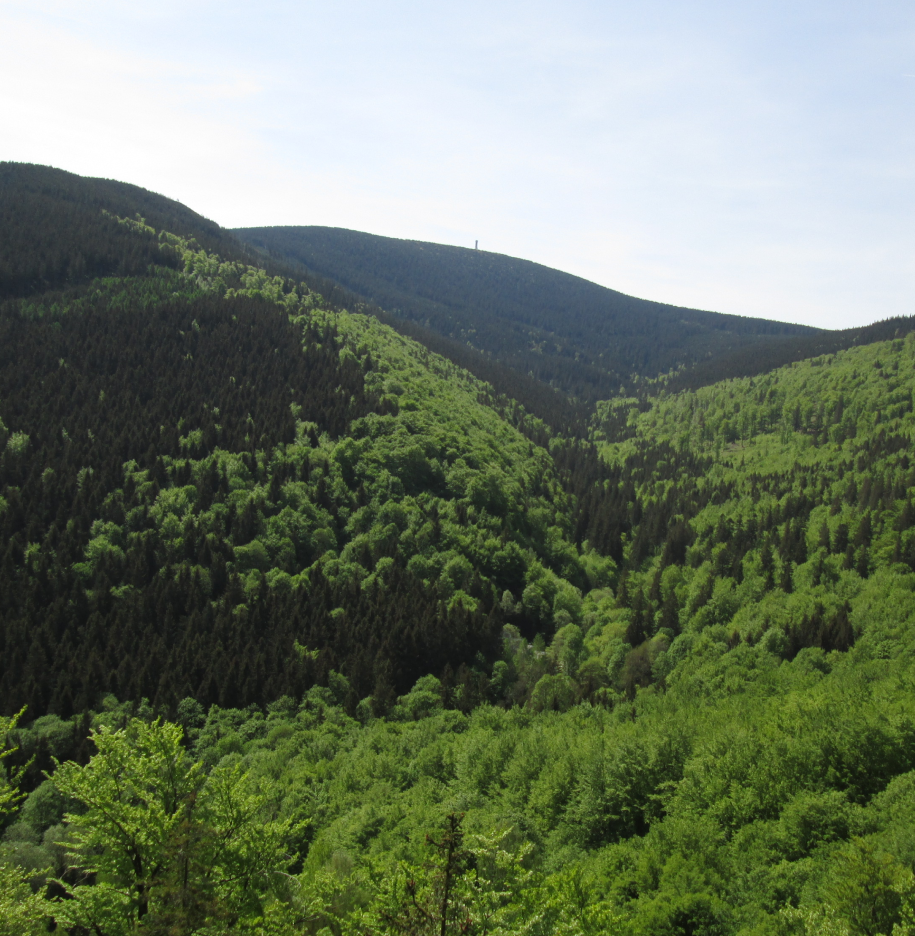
[55, 234]
[103, 388]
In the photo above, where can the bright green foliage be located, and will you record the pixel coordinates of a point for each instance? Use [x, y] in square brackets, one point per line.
[419, 488]
[9, 794]
[444, 478]
[17, 443]
[22, 913]
[133, 790]
[867, 888]
[168, 845]
[712, 806]
[439, 457]
[691, 811]
[795, 526]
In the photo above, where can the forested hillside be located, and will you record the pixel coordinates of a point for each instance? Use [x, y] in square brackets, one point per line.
[194, 487]
[316, 631]
[55, 231]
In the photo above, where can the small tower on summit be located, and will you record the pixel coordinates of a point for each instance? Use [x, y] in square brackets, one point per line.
[476, 245]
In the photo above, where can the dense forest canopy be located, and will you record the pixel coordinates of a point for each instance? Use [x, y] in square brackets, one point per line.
[305, 628]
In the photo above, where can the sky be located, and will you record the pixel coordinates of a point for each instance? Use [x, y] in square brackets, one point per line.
[756, 158]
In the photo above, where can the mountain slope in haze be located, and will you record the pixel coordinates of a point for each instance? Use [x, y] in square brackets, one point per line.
[568, 332]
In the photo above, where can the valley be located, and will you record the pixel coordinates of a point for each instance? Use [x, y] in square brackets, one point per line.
[353, 586]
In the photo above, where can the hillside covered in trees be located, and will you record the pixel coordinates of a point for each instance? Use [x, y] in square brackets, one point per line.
[311, 630]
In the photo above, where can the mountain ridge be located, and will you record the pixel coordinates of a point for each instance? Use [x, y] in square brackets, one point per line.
[571, 333]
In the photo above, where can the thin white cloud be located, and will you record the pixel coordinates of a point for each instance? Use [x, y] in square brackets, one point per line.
[104, 112]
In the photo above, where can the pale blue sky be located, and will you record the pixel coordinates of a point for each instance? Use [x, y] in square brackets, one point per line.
[755, 158]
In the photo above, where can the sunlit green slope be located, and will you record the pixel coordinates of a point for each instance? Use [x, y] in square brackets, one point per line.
[805, 496]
